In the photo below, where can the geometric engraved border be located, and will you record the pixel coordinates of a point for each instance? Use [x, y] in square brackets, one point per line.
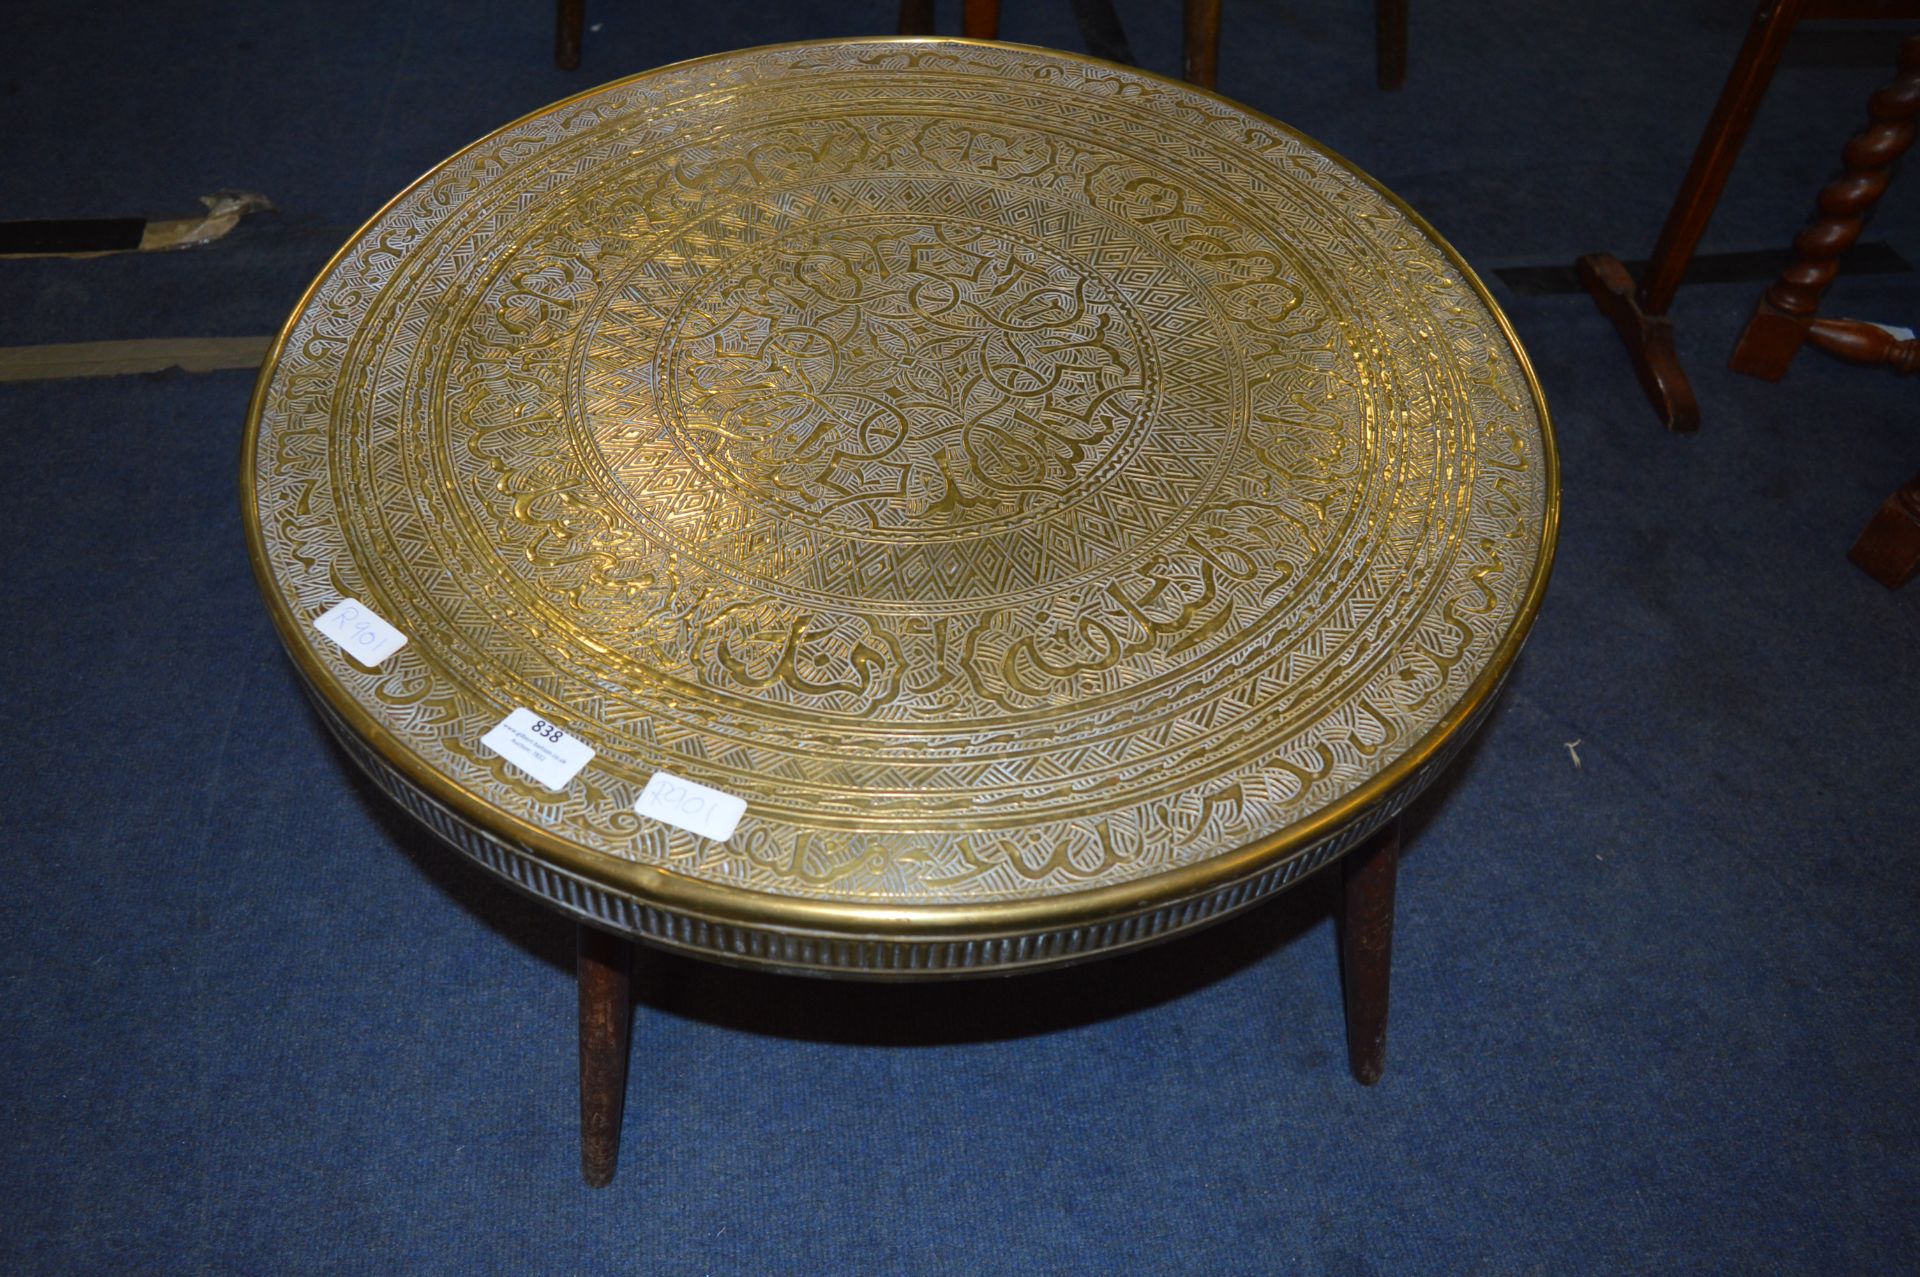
[876, 957]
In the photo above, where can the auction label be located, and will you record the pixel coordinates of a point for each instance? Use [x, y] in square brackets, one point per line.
[691, 806]
[538, 748]
[364, 636]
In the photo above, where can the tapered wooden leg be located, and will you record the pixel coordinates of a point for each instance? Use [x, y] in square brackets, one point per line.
[1390, 42]
[916, 17]
[570, 17]
[980, 19]
[1203, 43]
[1366, 948]
[606, 1017]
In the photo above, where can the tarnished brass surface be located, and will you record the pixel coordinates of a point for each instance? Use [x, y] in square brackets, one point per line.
[1062, 503]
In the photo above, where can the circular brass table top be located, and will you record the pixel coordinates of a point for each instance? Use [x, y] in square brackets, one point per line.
[1064, 505]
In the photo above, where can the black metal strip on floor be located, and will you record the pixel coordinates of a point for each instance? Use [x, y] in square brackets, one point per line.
[72, 235]
[1854, 45]
[1708, 268]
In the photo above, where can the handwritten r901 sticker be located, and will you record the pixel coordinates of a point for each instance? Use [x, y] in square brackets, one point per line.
[689, 805]
[359, 632]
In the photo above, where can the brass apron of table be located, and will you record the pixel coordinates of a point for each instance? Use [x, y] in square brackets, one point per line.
[1065, 506]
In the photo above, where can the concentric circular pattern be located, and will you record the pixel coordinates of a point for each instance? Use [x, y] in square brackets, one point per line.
[1024, 481]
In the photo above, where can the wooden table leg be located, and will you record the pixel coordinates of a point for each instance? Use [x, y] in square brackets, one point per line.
[1889, 549]
[1639, 314]
[1203, 43]
[606, 1017]
[1390, 42]
[1785, 313]
[570, 17]
[980, 19]
[916, 17]
[1366, 948]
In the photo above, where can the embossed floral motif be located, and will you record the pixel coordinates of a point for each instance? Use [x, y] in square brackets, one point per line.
[940, 376]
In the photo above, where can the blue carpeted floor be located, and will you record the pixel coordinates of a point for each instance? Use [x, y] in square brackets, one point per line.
[1656, 1013]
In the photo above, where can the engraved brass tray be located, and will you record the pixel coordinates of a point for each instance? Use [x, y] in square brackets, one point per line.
[1065, 505]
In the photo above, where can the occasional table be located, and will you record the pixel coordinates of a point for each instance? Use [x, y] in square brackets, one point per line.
[901, 509]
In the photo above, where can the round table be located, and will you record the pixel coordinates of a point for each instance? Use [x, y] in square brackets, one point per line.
[901, 508]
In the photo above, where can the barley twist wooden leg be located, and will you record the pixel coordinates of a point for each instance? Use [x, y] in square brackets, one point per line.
[1786, 311]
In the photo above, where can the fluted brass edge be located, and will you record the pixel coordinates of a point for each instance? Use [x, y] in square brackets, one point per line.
[679, 895]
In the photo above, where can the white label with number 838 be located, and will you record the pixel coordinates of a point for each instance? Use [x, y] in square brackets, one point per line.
[689, 805]
[538, 748]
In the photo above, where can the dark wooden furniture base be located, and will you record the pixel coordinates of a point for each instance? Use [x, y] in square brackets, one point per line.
[1784, 317]
[1859, 342]
[1368, 874]
[1201, 65]
[606, 1018]
[1648, 336]
[1639, 311]
[1889, 549]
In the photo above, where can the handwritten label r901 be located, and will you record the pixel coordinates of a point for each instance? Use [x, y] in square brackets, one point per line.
[361, 634]
[689, 805]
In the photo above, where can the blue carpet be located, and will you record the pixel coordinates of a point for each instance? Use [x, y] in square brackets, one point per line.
[1656, 1013]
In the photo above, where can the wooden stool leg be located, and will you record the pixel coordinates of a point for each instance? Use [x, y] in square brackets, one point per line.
[980, 19]
[1390, 42]
[606, 1017]
[1785, 312]
[1366, 948]
[916, 17]
[1889, 550]
[1203, 43]
[1640, 314]
[569, 19]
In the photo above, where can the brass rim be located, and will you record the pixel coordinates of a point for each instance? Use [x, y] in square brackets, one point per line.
[677, 892]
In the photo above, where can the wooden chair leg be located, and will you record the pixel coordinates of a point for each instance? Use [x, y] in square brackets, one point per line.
[1366, 948]
[1639, 314]
[1390, 42]
[916, 17]
[1203, 43]
[606, 1018]
[980, 19]
[569, 20]
[1889, 549]
[1786, 311]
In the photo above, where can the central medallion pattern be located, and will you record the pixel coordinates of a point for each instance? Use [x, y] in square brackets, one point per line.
[823, 400]
[881, 380]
